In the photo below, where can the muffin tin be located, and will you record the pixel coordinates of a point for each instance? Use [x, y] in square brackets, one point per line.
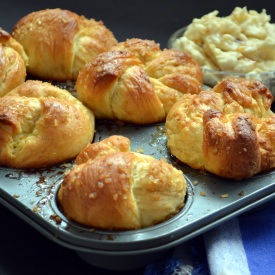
[210, 200]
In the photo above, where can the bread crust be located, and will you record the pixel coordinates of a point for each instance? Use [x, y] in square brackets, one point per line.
[227, 130]
[42, 125]
[13, 61]
[137, 82]
[120, 189]
[230, 145]
[59, 42]
[112, 144]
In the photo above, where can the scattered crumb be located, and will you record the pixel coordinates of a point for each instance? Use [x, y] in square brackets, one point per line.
[140, 150]
[66, 165]
[223, 196]
[203, 172]
[16, 196]
[56, 218]
[202, 193]
[110, 237]
[241, 193]
[196, 183]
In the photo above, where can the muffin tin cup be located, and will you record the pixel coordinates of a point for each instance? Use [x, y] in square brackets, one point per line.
[210, 200]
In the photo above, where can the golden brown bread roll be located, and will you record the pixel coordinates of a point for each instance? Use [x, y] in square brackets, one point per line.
[13, 61]
[42, 125]
[227, 131]
[115, 143]
[137, 82]
[59, 42]
[119, 190]
[230, 145]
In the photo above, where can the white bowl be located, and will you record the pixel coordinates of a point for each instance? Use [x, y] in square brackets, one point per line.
[211, 77]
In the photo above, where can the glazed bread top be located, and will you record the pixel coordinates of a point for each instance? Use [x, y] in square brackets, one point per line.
[116, 189]
[228, 131]
[13, 61]
[42, 125]
[137, 82]
[59, 42]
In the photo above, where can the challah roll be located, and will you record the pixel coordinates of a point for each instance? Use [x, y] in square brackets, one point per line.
[13, 61]
[59, 42]
[42, 125]
[115, 143]
[137, 82]
[228, 131]
[116, 189]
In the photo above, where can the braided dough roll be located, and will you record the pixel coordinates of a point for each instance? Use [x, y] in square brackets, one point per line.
[13, 61]
[228, 131]
[42, 125]
[59, 42]
[113, 188]
[137, 82]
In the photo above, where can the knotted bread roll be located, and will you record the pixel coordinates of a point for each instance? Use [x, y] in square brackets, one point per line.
[137, 82]
[59, 42]
[42, 125]
[228, 131]
[113, 188]
[13, 61]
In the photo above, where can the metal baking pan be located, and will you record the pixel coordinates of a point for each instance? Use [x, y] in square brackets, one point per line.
[31, 194]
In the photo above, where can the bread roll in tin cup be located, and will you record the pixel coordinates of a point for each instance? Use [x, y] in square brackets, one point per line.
[59, 42]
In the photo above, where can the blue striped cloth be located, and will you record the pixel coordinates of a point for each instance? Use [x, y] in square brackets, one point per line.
[242, 246]
[245, 245]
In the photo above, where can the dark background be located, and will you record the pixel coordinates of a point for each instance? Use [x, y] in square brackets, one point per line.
[142, 19]
[23, 250]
